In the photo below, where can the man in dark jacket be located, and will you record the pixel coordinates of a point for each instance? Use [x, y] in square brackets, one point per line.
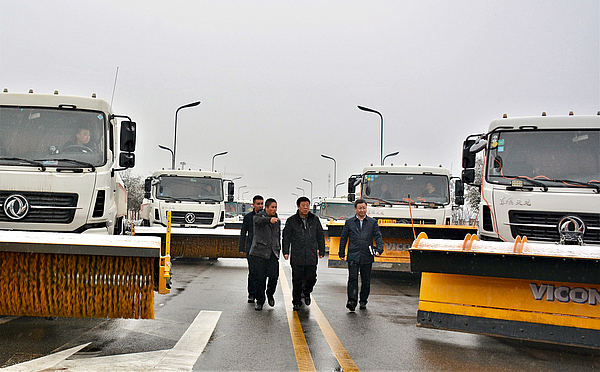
[246, 242]
[304, 233]
[360, 231]
[264, 253]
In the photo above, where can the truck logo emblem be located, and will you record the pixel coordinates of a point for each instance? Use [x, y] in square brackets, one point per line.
[190, 218]
[16, 207]
[571, 229]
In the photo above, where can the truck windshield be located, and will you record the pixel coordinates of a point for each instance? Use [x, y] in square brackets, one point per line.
[237, 208]
[52, 137]
[189, 189]
[396, 188]
[337, 211]
[556, 158]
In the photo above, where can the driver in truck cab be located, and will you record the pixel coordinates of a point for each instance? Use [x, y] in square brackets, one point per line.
[81, 141]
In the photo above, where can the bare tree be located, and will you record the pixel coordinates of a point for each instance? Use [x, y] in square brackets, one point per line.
[135, 192]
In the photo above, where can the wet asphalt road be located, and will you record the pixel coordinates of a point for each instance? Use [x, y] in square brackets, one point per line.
[382, 338]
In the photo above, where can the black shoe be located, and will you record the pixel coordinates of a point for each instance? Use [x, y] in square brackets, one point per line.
[307, 300]
[271, 300]
[363, 305]
[297, 307]
[258, 306]
[350, 306]
[251, 299]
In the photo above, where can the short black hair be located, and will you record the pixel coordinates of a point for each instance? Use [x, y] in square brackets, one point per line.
[269, 202]
[302, 199]
[257, 197]
[359, 201]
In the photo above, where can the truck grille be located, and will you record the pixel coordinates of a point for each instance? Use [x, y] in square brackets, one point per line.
[200, 218]
[44, 207]
[542, 226]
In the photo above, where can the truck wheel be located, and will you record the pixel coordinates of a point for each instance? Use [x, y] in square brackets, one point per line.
[145, 223]
[119, 227]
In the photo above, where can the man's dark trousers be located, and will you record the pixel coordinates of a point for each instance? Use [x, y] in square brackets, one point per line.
[251, 280]
[304, 278]
[264, 269]
[365, 285]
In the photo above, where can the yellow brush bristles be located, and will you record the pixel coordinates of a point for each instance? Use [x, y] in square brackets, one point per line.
[71, 285]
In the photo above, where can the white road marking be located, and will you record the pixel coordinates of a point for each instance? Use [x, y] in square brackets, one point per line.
[181, 357]
[7, 319]
[45, 362]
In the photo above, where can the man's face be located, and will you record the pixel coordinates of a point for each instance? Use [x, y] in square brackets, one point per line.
[303, 209]
[83, 137]
[361, 210]
[258, 205]
[271, 209]
[430, 188]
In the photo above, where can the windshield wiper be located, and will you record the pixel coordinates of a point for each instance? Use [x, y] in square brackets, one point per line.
[592, 184]
[29, 161]
[532, 182]
[79, 162]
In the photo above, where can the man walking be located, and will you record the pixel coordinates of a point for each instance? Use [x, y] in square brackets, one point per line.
[264, 253]
[304, 234]
[360, 231]
[246, 241]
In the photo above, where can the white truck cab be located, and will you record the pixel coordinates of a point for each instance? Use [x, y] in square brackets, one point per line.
[540, 178]
[195, 199]
[395, 193]
[59, 163]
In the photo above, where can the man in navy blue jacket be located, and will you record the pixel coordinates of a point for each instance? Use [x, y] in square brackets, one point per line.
[360, 231]
[246, 236]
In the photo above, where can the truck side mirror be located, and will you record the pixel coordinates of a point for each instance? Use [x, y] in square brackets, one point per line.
[128, 136]
[147, 187]
[468, 157]
[468, 176]
[459, 192]
[127, 160]
[351, 197]
[230, 191]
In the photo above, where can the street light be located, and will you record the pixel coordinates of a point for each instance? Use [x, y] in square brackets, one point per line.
[212, 166]
[300, 188]
[341, 183]
[236, 178]
[381, 116]
[392, 154]
[311, 187]
[175, 136]
[168, 149]
[244, 193]
[296, 195]
[239, 188]
[334, 171]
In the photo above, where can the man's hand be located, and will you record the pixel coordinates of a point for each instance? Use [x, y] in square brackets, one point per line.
[274, 219]
[377, 254]
[321, 255]
[343, 258]
[286, 256]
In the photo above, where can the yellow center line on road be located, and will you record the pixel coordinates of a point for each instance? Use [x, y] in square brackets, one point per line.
[303, 356]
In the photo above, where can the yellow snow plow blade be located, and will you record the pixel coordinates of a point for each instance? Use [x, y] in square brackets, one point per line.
[73, 275]
[537, 292]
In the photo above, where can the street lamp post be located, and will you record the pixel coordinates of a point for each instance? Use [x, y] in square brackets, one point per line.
[168, 149]
[339, 184]
[311, 188]
[239, 188]
[381, 116]
[175, 136]
[388, 155]
[334, 171]
[212, 165]
[296, 195]
[244, 193]
[300, 188]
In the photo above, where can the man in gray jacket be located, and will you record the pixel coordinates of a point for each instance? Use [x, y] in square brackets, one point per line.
[360, 231]
[264, 253]
[304, 234]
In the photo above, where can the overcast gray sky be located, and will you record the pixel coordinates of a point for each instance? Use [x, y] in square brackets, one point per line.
[279, 81]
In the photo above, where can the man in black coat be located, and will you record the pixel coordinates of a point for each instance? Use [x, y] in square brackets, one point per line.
[246, 236]
[264, 253]
[360, 231]
[304, 233]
